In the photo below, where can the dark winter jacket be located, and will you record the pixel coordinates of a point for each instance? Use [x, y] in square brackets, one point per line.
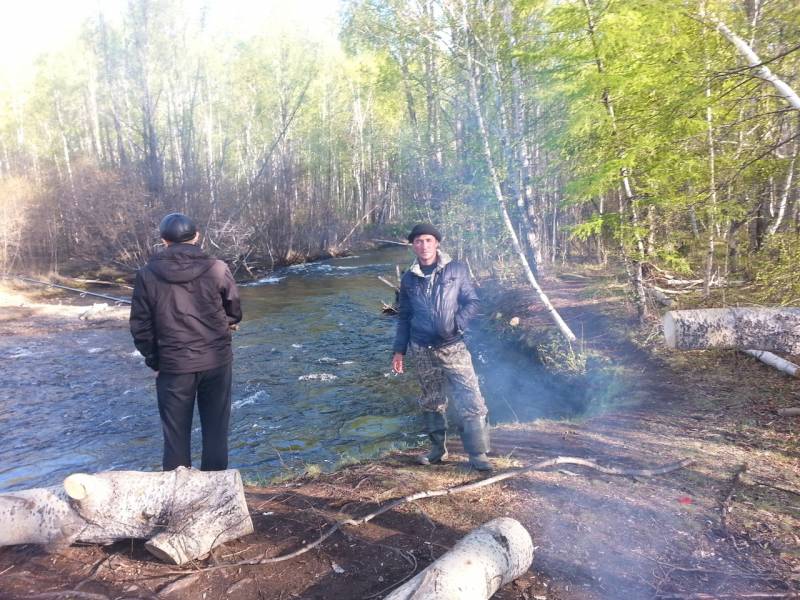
[437, 315]
[184, 303]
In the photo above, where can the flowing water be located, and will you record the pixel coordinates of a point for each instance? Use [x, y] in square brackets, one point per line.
[312, 384]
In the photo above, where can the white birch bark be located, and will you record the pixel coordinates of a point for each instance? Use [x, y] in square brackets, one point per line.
[473, 85]
[787, 188]
[775, 361]
[759, 70]
[770, 329]
[635, 271]
[182, 513]
[476, 567]
[712, 165]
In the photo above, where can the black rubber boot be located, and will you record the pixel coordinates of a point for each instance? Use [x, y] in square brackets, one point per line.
[436, 424]
[475, 437]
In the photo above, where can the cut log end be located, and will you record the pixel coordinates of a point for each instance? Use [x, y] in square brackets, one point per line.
[74, 486]
[669, 331]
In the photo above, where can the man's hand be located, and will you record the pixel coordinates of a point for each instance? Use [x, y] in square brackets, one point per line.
[397, 362]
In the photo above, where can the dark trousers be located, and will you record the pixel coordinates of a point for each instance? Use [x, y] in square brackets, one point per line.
[176, 397]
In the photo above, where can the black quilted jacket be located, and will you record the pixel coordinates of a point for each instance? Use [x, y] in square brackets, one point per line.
[437, 313]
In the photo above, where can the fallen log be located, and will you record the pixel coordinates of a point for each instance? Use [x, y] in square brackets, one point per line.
[182, 514]
[789, 412]
[481, 563]
[771, 329]
[658, 296]
[775, 361]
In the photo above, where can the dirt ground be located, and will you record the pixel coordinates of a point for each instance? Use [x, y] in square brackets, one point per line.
[727, 526]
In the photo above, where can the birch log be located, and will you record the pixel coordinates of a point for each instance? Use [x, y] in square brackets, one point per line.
[770, 329]
[476, 567]
[182, 514]
[777, 362]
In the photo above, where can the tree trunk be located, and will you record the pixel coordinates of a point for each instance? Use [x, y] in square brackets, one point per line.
[759, 68]
[787, 190]
[182, 513]
[770, 329]
[712, 171]
[476, 567]
[498, 191]
[635, 268]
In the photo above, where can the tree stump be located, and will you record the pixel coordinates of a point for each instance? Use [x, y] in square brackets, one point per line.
[770, 329]
[182, 514]
[481, 563]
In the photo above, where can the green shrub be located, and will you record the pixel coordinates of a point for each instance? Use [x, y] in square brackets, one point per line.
[776, 270]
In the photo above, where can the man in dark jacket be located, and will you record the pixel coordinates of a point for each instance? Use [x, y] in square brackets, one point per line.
[437, 300]
[184, 306]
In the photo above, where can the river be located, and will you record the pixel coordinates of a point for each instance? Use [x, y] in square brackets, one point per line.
[312, 384]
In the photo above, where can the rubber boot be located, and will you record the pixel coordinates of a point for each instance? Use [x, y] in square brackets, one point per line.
[436, 424]
[475, 437]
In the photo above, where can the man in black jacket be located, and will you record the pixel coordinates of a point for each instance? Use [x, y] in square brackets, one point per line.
[184, 306]
[437, 300]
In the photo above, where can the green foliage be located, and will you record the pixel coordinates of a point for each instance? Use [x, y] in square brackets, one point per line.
[284, 139]
[775, 268]
[596, 225]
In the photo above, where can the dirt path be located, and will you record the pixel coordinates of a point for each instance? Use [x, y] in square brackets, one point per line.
[725, 527]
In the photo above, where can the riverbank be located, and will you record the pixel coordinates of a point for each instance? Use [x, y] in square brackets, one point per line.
[713, 528]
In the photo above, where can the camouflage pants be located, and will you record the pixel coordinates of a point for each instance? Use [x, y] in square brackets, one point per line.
[447, 374]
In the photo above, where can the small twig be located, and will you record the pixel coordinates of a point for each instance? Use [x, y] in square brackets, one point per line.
[391, 242]
[267, 501]
[94, 571]
[4, 571]
[389, 283]
[70, 595]
[237, 553]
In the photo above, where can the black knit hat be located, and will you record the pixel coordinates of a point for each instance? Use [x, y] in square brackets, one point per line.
[424, 229]
[177, 228]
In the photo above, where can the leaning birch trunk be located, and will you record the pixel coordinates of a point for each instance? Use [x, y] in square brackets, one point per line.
[481, 563]
[182, 514]
[777, 362]
[498, 192]
[770, 329]
[759, 68]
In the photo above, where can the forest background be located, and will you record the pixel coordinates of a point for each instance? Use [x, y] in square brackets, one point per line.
[631, 131]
